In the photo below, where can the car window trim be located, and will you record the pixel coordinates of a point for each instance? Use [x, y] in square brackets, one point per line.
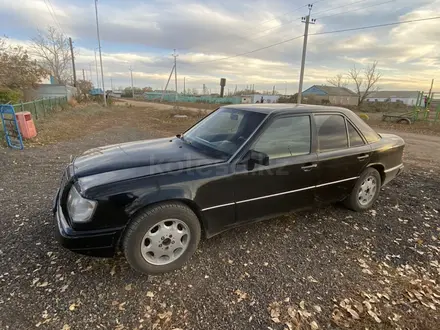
[357, 130]
[244, 144]
[317, 133]
[285, 115]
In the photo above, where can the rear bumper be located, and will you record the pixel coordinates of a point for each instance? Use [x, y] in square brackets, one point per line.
[391, 173]
[98, 243]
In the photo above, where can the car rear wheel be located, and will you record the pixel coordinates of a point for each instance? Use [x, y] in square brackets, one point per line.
[161, 238]
[365, 191]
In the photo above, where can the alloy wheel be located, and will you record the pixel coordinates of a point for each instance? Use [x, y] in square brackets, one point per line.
[367, 190]
[165, 242]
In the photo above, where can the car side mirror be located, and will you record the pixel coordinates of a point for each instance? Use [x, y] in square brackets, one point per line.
[257, 157]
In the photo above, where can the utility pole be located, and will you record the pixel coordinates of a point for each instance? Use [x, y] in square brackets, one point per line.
[97, 74]
[100, 54]
[430, 90]
[303, 60]
[91, 75]
[184, 86]
[132, 89]
[73, 62]
[84, 75]
[111, 83]
[175, 70]
[166, 86]
[273, 90]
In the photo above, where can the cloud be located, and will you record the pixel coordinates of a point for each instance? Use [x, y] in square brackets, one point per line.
[143, 35]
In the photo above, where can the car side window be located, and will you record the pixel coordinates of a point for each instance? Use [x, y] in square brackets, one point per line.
[355, 139]
[286, 137]
[332, 134]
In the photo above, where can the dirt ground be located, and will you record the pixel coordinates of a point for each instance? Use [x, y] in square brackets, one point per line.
[324, 269]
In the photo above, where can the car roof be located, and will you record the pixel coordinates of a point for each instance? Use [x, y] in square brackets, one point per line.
[269, 108]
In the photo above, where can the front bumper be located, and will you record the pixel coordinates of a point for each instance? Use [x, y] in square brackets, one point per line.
[99, 243]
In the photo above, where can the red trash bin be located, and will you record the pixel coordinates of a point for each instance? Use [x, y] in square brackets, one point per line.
[26, 124]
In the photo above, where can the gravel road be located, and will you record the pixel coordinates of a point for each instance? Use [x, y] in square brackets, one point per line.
[330, 268]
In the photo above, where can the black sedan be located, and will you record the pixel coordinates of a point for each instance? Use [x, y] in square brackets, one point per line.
[240, 164]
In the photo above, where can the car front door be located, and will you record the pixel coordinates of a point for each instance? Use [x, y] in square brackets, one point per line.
[287, 182]
[342, 156]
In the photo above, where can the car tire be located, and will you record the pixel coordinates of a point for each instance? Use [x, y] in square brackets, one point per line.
[365, 192]
[149, 245]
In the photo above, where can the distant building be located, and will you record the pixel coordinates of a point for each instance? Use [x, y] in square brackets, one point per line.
[253, 98]
[46, 91]
[405, 97]
[115, 94]
[331, 95]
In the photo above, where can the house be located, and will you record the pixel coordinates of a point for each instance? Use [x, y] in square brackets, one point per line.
[405, 97]
[254, 98]
[331, 95]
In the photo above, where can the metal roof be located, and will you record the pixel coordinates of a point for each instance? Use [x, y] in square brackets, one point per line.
[335, 91]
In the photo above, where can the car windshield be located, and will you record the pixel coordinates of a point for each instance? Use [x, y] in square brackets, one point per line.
[224, 131]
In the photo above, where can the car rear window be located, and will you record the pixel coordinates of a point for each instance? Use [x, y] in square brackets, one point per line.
[354, 137]
[370, 134]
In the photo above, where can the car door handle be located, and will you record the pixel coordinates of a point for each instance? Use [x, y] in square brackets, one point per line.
[310, 167]
[363, 157]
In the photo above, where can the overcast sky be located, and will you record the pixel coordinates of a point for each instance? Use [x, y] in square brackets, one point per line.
[143, 34]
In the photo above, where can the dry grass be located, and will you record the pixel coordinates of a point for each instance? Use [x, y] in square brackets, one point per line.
[86, 120]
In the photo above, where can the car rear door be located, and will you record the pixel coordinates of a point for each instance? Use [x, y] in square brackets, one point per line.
[287, 183]
[342, 156]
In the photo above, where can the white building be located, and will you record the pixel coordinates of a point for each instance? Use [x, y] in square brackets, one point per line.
[254, 98]
[405, 97]
[116, 94]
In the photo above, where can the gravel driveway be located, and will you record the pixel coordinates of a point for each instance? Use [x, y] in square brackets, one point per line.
[329, 268]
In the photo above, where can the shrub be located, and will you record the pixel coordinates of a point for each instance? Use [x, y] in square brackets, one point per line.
[72, 102]
[10, 96]
[364, 116]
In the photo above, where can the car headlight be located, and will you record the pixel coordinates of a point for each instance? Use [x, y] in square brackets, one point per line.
[80, 209]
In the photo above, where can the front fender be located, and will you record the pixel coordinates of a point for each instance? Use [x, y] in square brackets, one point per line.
[160, 194]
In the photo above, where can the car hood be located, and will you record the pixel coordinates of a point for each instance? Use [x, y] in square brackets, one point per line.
[165, 155]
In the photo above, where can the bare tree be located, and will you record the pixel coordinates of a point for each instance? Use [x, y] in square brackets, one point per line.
[17, 69]
[53, 50]
[84, 87]
[338, 81]
[365, 80]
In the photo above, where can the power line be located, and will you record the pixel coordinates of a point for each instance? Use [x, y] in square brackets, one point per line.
[356, 9]
[376, 26]
[264, 22]
[294, 19]
[52, 13]
[252, 51]
[287, 12]
[343, 6]
[322, 33]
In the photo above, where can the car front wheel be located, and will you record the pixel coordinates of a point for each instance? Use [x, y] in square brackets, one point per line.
[161, 238]
[365, 191]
